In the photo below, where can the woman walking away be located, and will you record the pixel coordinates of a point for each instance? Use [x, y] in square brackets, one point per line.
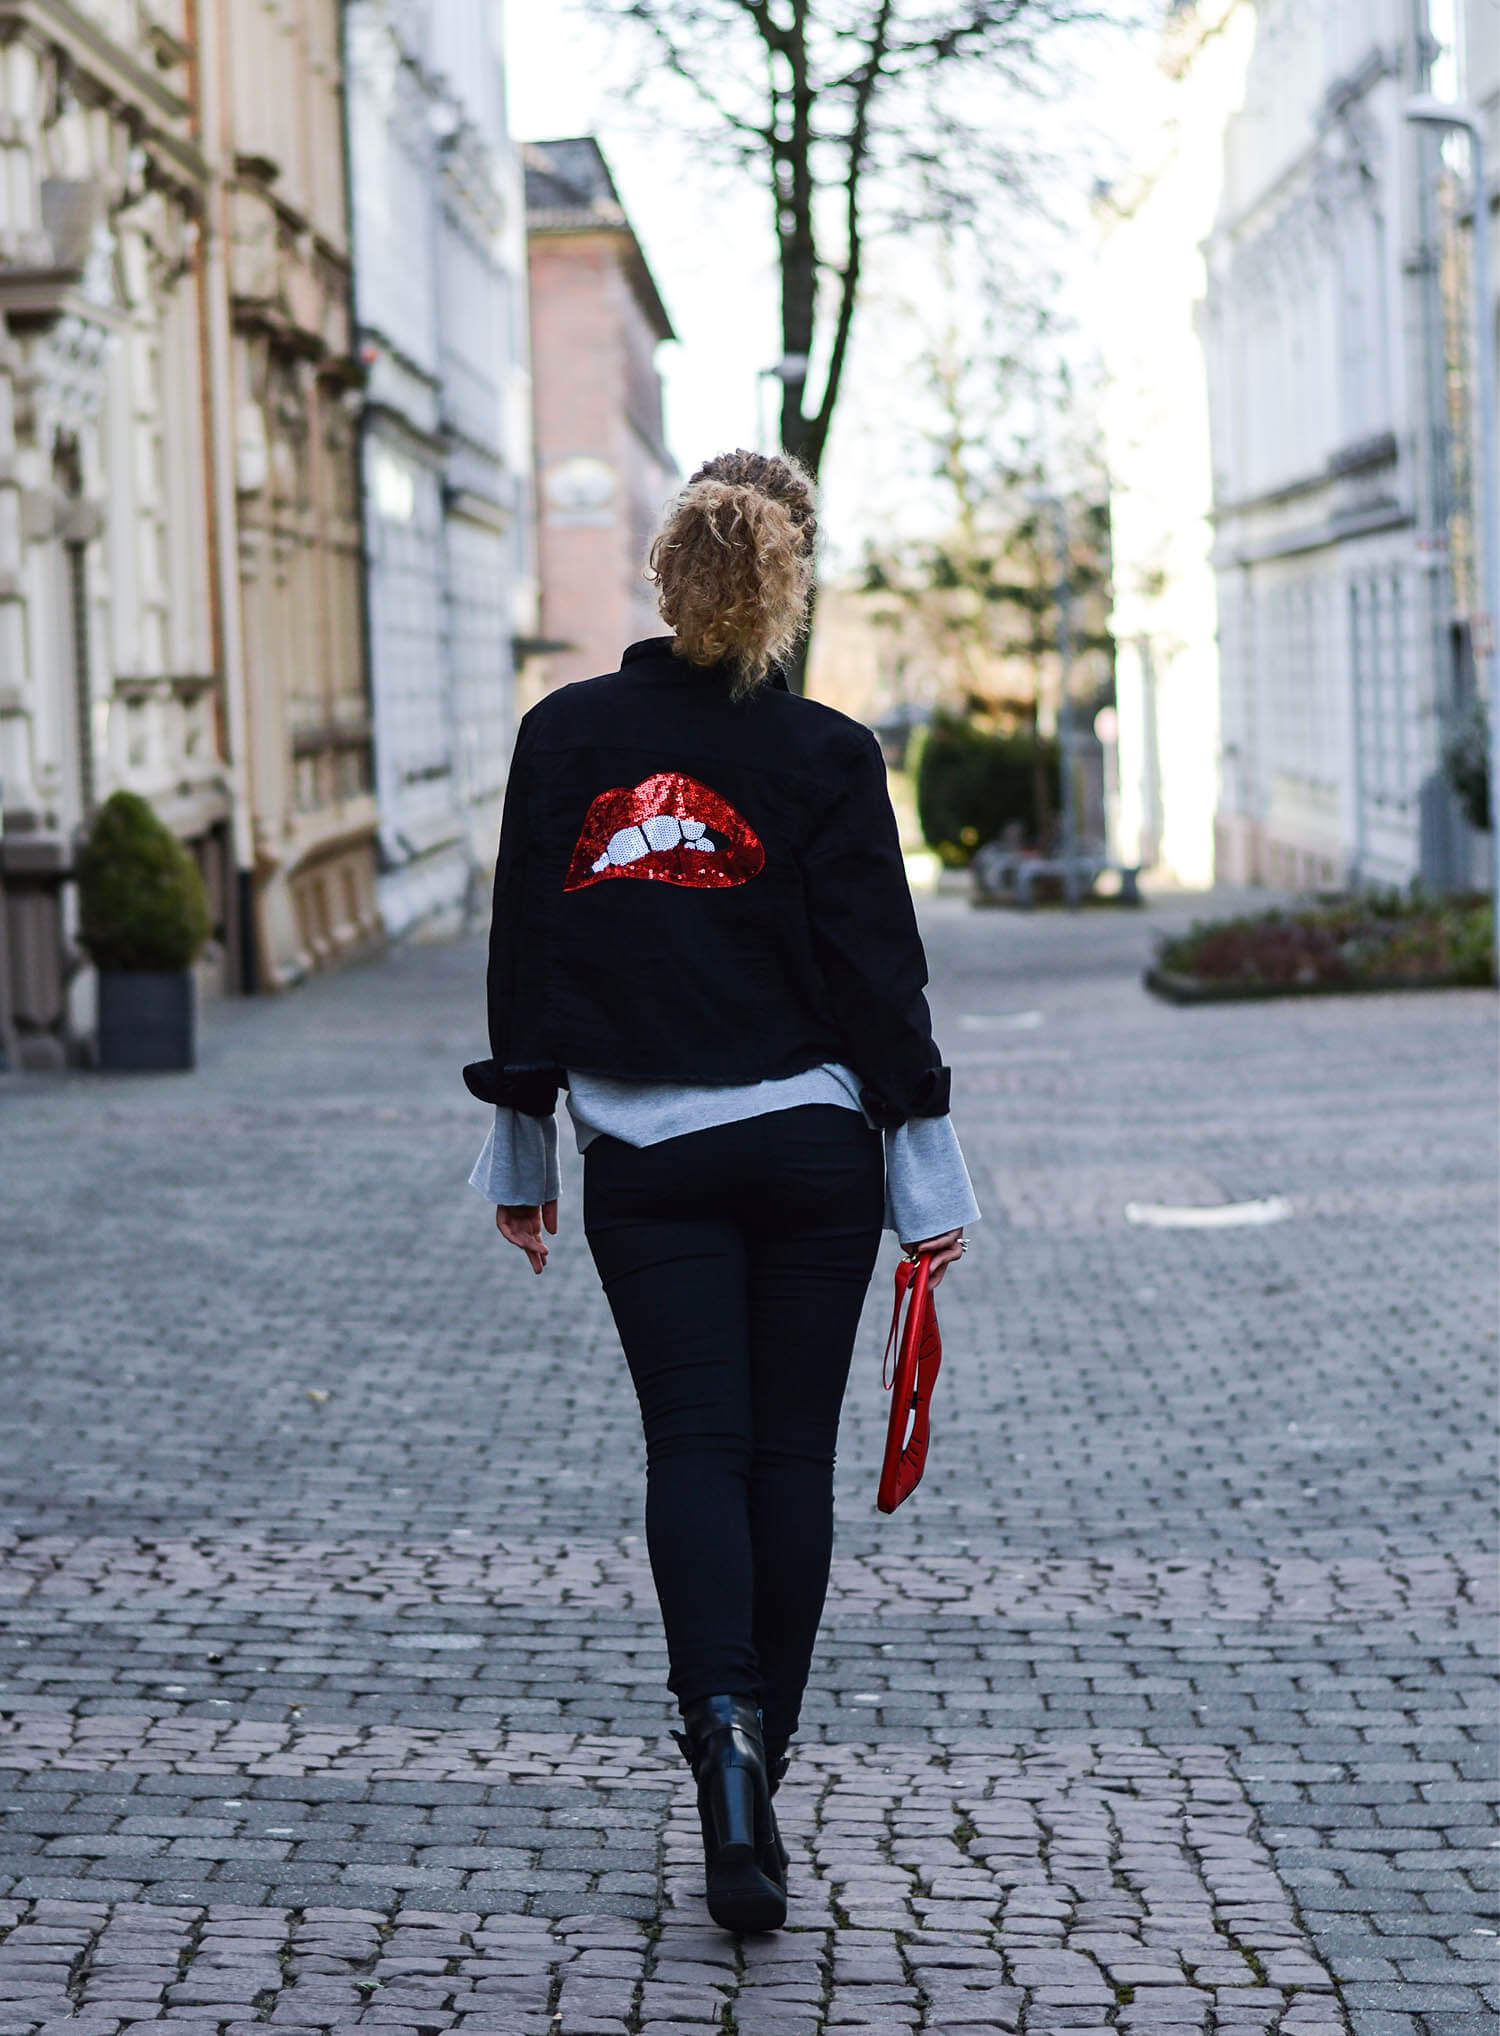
[703, 931]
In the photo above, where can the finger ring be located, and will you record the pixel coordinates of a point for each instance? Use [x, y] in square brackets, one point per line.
[963, 1245]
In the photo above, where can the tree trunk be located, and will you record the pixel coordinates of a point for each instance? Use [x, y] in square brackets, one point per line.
[795, 668]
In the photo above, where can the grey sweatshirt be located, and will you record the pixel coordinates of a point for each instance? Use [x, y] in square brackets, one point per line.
[927, 1184]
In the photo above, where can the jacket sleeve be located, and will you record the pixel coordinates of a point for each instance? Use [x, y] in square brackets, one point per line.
[864, 932]
[500, 1080]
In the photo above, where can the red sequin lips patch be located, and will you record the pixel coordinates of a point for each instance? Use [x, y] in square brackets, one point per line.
[669, 828]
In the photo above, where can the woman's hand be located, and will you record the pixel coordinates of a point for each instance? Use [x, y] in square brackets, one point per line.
[939, 1252]
[522, 1227]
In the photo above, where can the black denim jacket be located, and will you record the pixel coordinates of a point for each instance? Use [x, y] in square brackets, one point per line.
[700, 890]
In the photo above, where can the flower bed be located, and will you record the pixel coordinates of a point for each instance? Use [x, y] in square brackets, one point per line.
[1382, 941]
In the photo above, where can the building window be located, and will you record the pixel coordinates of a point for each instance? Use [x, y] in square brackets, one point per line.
[1378, 675]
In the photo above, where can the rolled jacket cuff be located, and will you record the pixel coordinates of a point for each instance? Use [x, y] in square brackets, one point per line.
[531, 1090]
[929, 1096]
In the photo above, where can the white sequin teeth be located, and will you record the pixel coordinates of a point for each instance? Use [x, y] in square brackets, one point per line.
[662, 831]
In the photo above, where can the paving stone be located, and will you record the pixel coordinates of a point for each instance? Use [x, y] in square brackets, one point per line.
[1174, 1676]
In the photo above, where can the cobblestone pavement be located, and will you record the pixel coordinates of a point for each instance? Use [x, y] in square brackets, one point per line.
[331, 1691]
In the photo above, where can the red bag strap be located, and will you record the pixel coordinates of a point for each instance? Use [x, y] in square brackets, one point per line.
[911, 1274]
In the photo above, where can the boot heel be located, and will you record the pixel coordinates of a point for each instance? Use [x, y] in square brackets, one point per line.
[727, 1755]
[731, 1806]
[740, 1898]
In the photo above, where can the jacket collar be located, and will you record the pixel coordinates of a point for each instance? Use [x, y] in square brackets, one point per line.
[649, 647]
[659, 649]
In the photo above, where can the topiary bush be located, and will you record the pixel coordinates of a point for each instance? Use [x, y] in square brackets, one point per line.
[971, 785]
[141, 900]
[1466, 759]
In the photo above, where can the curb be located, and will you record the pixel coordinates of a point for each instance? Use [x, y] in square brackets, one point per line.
[1176, 989]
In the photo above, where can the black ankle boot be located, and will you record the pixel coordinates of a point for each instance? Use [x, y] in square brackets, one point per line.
[773, 1861]
[724, 1748]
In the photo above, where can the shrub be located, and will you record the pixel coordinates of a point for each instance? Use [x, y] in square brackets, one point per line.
[1383, 937]
[972, 785]
[142, 901]
[1466, 759]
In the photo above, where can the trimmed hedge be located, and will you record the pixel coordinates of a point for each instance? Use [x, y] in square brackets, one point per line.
[1383, 939]
[141, 900]
[1467, 762]
[972, 785]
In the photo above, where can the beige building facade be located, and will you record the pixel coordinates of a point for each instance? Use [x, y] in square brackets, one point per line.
[273, 118]
[108, 666]
[180, 606]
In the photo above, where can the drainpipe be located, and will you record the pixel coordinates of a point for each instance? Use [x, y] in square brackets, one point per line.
[209, 90]
[1357, 875]
[1149, 848]
[1440, 113]
[1438, 838]
[363, 429]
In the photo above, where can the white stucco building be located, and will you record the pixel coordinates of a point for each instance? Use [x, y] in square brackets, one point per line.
[1479, 81]
[1151, 282]
[440, 300]
[1333, 475]
[1291, 486]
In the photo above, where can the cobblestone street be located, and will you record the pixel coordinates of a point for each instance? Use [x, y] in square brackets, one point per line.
[331, 1686]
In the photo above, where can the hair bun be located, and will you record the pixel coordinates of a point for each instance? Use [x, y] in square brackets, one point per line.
[777, 476]
[734, 561]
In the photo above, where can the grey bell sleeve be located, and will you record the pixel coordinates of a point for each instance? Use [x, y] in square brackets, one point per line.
[517, 1164]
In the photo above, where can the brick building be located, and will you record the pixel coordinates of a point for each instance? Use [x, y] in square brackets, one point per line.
[603, 469]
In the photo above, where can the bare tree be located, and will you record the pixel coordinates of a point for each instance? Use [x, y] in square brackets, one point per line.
[1004, 417]
[861, 116]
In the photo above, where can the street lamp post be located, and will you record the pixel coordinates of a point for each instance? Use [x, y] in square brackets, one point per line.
[1065, 704]
[1045, 499]
[792, 367]
[1446, 113]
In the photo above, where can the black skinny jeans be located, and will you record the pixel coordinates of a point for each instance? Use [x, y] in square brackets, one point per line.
[736, 1262]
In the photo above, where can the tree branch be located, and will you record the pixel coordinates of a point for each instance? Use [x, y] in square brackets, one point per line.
[863, 105]
[645, 15]
[776, 38]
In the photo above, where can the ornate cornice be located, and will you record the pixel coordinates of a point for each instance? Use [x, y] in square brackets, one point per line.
[98, 56]
[1363, 456]
[1363, 522]
[90, 61]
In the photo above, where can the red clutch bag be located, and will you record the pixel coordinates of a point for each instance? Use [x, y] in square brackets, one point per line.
[919, 1352]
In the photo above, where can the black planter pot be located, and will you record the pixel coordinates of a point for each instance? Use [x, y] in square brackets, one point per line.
[146, 1019]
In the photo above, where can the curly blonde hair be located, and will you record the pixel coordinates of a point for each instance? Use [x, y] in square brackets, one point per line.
[733, 563]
